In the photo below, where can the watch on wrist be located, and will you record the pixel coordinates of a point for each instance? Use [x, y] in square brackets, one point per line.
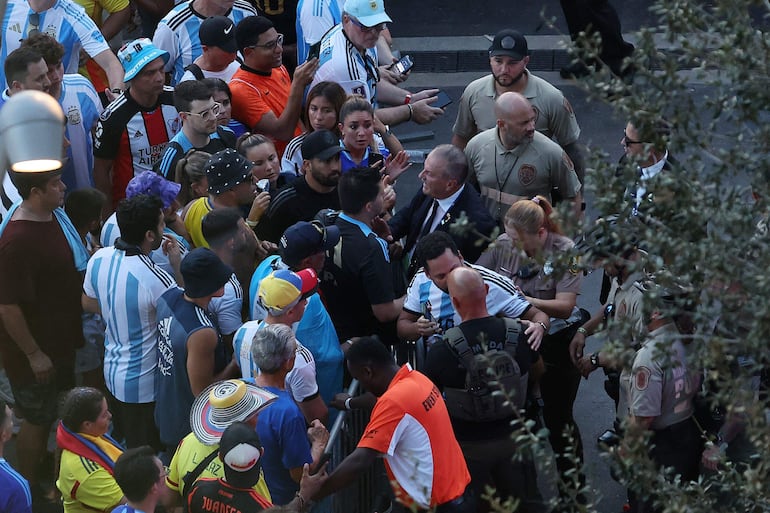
[582, 330]
[595, 359]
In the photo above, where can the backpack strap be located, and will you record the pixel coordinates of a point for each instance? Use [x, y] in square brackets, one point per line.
[195, 70]
[189, 479]
[512, 332]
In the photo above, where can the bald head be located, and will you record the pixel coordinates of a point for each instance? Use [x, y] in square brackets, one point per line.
[468, 292]
[515, 119]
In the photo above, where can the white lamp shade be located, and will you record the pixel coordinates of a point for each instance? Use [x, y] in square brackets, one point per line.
[32, 132]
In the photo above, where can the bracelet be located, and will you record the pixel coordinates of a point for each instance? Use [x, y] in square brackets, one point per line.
[251, 224]
[583, 331]
[411, 111]
[347, 403]
[545, 328]
[303, 504]
[407, 99]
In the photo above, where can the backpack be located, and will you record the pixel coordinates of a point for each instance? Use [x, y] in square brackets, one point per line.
[481, 400]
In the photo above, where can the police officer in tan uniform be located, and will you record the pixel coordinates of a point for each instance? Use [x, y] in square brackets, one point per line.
[532, 236]
[657, 394]
[512, 160]
[508, 60]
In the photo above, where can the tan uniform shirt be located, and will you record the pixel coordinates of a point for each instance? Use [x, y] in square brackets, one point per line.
[627, 308]
[555, 117]
[660, 385]
[505, 176]
[504, 258]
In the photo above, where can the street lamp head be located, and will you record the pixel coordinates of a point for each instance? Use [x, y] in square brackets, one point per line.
[31, 133]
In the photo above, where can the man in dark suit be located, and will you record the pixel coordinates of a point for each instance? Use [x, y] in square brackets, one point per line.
[444, 197]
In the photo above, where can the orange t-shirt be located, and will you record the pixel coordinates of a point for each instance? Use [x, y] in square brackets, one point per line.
[410, 426]
[255, 94]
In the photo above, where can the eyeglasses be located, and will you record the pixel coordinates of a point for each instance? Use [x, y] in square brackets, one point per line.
[271, 45]
[630, 141]
[33, 24]
[211, 112]
[368, 30]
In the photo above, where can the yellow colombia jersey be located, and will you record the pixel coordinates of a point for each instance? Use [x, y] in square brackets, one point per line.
[189, 454]
[85, 486]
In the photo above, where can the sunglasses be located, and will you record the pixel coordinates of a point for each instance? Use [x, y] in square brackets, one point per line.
[630, 141]
[368, 30]
[33, 24]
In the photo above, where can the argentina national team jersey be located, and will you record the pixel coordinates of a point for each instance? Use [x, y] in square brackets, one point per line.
[502, 298]
[314, 19]
[82, 107]
[65, 21]
[127, 289]
[301, 379]
[177, 33]
[340, 61]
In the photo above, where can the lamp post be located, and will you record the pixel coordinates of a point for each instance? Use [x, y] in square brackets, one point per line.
[31, 133]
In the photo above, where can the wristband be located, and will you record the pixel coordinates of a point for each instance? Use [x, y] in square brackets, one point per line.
[583, 331]
[347, 403]
[411, 111]
[545, 328]
[251, 224]
[407, 99]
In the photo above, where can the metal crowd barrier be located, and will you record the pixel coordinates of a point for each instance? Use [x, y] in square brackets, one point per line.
[344, 435]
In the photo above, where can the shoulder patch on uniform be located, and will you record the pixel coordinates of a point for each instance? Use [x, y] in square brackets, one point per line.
[568, 106]
[574, 265]
[642, 378]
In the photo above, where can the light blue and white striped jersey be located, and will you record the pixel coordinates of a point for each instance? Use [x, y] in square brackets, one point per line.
[502, 298]
[341, 62]
[111, 232]
[128, 288]
[82, 108]
[65, 21]
[177, 33]
[15, 495]
[301, 379]
[314, 19]
[227, 308]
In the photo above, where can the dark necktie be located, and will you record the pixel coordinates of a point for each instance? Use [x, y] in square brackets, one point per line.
[429, 223]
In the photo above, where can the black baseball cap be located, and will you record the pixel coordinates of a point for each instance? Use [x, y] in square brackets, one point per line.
[304, 239]
[218, 31]
[241, 451]
[511, 43]
[204, 273]
[321, 144]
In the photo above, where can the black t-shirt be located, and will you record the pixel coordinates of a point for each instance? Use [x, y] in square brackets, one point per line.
[296, 202]
[211, 495]
[357, 275]
[283, 14]
[445, 370]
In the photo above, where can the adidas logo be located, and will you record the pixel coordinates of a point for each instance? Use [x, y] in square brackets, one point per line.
[138, 134]
[16, 27]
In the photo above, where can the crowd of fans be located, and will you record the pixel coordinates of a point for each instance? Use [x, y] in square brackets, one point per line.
[229, 256]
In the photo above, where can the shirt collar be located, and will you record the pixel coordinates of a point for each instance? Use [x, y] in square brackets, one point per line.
[447, 203]
[365, 229]
[650, 172]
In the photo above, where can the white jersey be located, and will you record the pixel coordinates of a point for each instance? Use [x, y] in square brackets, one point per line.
[300, 381]
[314, 19]
[291, 162]
[111, 233]
[227, 308]
[65, 21]
[177, 33]
[128, 288]
[341, 62]
[225, 75]
[502, 298]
